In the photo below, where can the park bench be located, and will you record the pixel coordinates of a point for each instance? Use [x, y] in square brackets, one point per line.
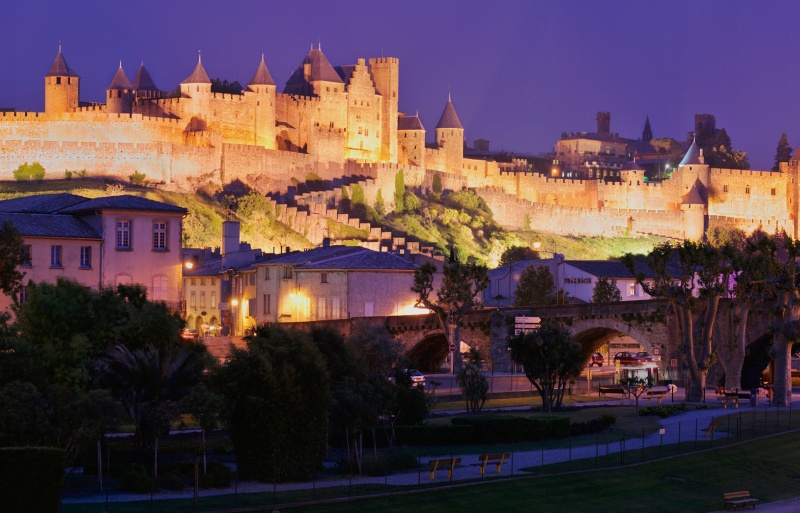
[657, 392]
[741, 498]
[443, 464]
[612, 389]
[494, 459]
[712, 426]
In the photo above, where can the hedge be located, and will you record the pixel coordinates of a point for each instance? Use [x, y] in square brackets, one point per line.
[492, 429]
[435, 434]
[31, 478]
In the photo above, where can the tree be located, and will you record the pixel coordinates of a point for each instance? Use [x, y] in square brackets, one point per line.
[636, 387]
[11, 258]
[204, 406]
[26, 172]
[688, 276]
[458, 294]
[606, 291]
[550, 358]
[473, 383]
[517, 254]
[276, 394]
[536, 287]
[718, 151]
[399, 192]
[380, 207]
[783, 153]
[437, 184]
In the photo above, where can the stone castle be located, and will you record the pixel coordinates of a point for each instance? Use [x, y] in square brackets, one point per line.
[332, 122]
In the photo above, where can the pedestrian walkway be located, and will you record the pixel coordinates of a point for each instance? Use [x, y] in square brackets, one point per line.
[684, 427]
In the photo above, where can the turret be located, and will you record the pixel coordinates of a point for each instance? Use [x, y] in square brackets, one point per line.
[197, 86]
[411, 140]
[693, 167]
[694, 206]
[61, 87]
[119, 95]
[450, 138]
[315, 76]
[263, 87]
[143, 85]
[386, 75]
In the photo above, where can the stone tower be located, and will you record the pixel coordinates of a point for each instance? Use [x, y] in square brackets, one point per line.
[604, 123]
[411, 140]
[264, 89]
[119, 95]
[450, 138]
[61, 87]
[647, 133]
[314, 77]
[197, 87]
[386, 75]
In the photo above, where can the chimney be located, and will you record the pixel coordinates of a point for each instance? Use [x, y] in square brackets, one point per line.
[230, 237]
[326, 242]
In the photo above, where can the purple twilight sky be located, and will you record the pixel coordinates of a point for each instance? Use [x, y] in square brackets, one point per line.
[520, 73]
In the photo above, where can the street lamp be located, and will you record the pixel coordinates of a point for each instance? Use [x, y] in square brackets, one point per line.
[234, 313]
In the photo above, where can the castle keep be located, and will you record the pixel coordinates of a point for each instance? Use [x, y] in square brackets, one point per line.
[344, 121]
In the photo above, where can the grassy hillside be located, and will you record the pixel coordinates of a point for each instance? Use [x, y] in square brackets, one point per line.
[461, 219]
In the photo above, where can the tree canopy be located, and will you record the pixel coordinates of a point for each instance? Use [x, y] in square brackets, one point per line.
[536, 287]
[783, 153]
[606, 291]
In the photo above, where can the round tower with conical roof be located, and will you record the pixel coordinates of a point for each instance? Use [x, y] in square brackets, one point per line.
[61, 87]
[692, 168]
[450, 138]
[119, 95]
[197, 87]
[263, 88]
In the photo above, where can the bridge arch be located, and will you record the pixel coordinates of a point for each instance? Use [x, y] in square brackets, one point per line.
[429, 352]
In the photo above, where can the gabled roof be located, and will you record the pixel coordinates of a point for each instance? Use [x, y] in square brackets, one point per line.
[50, 225]
[449, 117]
[142, 81]
[60, 68]
[604, 268]
[314, 255]
[409, 123]
[198, 76]
[262, 76]
[692, 156]
[124, 202]
[362, 260]
[120, 80]
[40, 203]
[321, 70]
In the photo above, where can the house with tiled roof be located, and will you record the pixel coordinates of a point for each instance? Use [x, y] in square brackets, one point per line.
[101, 242]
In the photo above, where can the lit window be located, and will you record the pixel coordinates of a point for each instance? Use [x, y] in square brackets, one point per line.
[86, 257]
[193, 300]
[55, 256]
[213, 300]
[160, 235]
[123, 235]
[202, 299]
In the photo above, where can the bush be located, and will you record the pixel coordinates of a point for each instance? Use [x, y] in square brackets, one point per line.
[435, 434]
[593, 426]
[218, 475]
[68, 174]
[492, 429]
[32, 478]
[170, 481]
[25, 172]
[137, 178]
[663, 411]
[136, 480]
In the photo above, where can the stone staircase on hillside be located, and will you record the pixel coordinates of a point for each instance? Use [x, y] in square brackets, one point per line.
[308, 207]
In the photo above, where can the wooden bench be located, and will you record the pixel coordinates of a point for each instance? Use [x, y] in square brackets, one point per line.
[741, 498]
[444, 464]
[612, 389]
[494, 459]
[712, 426]
[658, 392]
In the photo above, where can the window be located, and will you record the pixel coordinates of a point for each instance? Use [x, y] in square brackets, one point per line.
[287, 272]
[213, 300]
[322, 308]
[213, 281]
[252, 279]
[267, 298]
[266, 273]
[324, 277]
[725, 188]
[202, 299]
[58, 80]
[86, 257]
[202, 282]
[160, 288]
[23, 294]
[336, 307]
[747, 189]
[26, 255]
[192, 282]
[123, 235]
[193, 300]
[633, 290]
[368, 309]
[160, 235]
[55, 256]
[773, 191]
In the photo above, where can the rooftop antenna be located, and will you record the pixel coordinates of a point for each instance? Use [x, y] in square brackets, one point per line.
[448, 93]
[120, 64]
[59, 46]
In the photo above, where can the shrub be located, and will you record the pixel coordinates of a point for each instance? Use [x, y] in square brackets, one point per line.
[170, 481]
[435, 434]
[68, 174]
[32, 478]
[25, 172]
[218, 475]
[136, 480]
[137, 178]
[603, 423]
[490, 429]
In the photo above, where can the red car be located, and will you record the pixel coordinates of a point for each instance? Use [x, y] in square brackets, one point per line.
[597, 359]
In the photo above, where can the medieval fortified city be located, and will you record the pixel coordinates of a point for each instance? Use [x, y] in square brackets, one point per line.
[295, 292]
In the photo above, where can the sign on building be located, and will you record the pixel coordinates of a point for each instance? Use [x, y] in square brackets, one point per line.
[524, 324]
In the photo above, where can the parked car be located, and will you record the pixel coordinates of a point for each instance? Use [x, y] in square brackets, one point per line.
[189, 335]
[597, 359]
[627, 358]
[416, 377]
[644, 356]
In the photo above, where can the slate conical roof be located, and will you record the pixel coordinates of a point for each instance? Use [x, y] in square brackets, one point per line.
[321, 69]
[692, 156]
[449, 117]
[409, 123]
[698, 195]
[60, 68]
[262, 76]
[632, 166]
[120, 80]
[198, 76]
[142, 81]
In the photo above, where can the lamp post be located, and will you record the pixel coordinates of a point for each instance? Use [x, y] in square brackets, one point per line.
[234, 313]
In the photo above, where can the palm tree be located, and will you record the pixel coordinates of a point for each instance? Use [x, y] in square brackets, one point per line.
[149, 382]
